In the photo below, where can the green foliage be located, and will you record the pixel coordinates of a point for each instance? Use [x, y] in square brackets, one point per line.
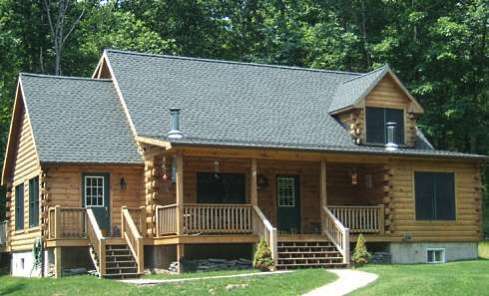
[484, 249]
[263, 257]
[360, 256]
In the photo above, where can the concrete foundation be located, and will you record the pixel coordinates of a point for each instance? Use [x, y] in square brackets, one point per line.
[22, 265]
[408, 253]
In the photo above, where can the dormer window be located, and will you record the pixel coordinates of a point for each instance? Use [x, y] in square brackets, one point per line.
[378, 120]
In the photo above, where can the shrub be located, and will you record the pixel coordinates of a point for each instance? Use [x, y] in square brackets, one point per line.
[263, 257]
[361, 256]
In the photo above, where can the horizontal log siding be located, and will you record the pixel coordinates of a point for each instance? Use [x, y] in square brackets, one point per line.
[466, 227]
[65, 183]
[26, 166]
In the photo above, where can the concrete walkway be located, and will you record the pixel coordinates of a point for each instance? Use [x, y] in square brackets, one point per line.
[150, 282]
[348, 281]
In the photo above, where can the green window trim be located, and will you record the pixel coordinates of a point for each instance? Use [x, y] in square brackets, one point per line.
[19, 207]
[435, 196]
[34, 202]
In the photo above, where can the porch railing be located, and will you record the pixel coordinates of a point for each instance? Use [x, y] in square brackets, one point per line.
[97, 241]
[217, 218]
[166, 220]
[360, 219]
[138, 215]
[67, 223]
[264, 229]
[3, 233]
[337, 233]
[133, 238]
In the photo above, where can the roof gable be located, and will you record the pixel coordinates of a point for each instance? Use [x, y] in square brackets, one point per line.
[20, 133]
[77, 120]
[352, 93]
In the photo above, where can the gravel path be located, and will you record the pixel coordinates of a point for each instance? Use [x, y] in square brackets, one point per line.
[348, 281]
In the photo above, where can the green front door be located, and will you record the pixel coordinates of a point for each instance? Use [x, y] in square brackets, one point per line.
[95, 195]
[288, 204]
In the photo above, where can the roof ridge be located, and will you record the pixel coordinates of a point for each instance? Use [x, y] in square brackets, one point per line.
[62, 77]
[384, 67]
[233, 62]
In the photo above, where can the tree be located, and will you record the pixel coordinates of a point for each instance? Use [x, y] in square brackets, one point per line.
[58, 17]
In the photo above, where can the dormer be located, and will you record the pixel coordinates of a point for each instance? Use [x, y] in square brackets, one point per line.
[368, 104]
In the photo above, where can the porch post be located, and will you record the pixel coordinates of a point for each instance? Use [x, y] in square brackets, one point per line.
[179, 192]
[254, 183]
[323, 188]
[57, 262]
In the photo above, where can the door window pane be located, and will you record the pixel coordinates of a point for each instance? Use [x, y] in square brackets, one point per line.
[94, 191]
[286, 191]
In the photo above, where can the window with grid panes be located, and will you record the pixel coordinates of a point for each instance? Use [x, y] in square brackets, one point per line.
[94, 191]
[286, 191]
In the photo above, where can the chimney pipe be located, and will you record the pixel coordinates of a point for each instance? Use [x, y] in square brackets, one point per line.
[175, 132]
[391, 135]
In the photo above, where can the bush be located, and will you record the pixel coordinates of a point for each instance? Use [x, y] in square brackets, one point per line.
[361, 256]
[263, 257]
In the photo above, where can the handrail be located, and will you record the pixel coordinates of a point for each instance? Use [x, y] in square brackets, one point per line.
[133, 238]
[360, 219]
[338, 234]
[264, 229]
[97, 240]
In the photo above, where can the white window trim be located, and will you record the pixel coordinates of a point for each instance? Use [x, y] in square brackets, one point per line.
[85, 192]
[443, 258]
[293, 205]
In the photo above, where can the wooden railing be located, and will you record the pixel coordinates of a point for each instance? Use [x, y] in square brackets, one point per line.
[360, 219]
[217, 218]
[133, 238]
[67, 223]
[337, 234]
[3, 233]
[97, 241]
[138, 215]
[166, 220]
[264, 229]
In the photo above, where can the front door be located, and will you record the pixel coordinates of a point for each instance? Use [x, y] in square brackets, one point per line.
[96, 196]
[288, 204]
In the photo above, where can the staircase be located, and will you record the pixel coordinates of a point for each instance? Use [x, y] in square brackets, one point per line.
[308, 254]
[119, 262]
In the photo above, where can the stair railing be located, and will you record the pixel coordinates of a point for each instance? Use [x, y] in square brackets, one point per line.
[338, 234]
[97, 241]
[133, 238]
[264, 229]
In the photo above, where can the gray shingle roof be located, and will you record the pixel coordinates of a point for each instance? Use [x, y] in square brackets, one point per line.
[245, 105]
[77, 120]
[349, 92]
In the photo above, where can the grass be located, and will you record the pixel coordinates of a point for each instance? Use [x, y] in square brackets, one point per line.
[294, 283]
[484, 249]
[456, 278]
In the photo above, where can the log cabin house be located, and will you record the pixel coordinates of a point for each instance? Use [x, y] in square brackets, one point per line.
[158, 158]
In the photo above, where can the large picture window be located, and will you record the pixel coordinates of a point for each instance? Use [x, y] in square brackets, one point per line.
[377, 119]
[220, 188]
[19, 207]
[34, 202]
[435, 196]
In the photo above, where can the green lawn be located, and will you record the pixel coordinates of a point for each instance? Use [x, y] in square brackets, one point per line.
[294, 283]
[456, 278]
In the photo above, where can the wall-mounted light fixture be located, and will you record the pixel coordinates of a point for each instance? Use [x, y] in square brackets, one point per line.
[216, 169]
[354, 176]
[123, 184]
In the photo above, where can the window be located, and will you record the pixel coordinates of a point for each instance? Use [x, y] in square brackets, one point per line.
[94, 191]
[435, 255]
[220, 188]
[377, 119]
[435, 196]
[19, 207]
[34, 202]
[286, 191]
